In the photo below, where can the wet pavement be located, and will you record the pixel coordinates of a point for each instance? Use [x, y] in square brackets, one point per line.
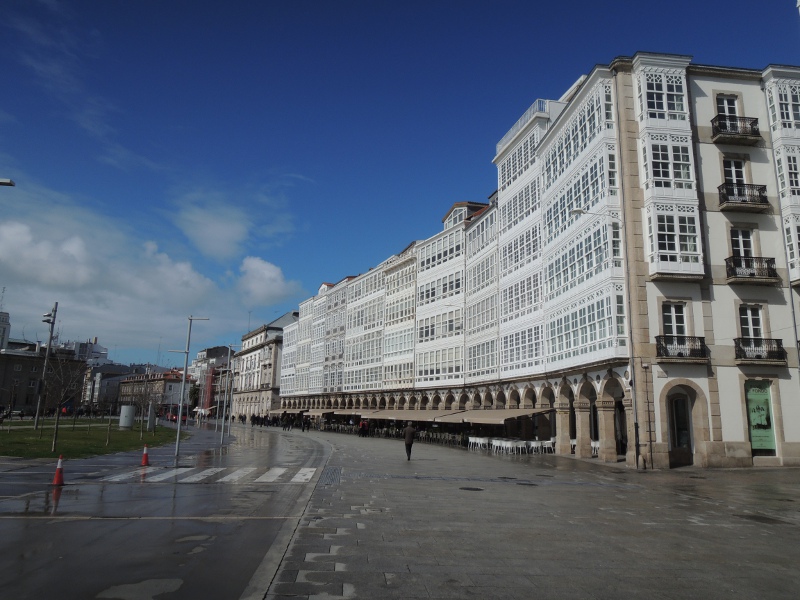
[453, 523]
[315, 515]
[206, 529]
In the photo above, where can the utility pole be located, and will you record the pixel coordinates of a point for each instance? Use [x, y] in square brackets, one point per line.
[51, 319]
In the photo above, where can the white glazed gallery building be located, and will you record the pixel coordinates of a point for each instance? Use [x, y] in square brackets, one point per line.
[631, 285]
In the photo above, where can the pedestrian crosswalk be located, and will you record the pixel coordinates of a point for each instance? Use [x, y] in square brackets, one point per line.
[242, 475]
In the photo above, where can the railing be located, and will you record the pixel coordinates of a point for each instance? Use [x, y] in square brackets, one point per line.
[756, 267]
[727, 125]
[539, 106]
[681, 346]
[759, 349]
[743, 193]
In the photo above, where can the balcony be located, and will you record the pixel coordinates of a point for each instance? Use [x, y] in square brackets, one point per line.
[681, 348]
[727, 129]
[754, 270]
[759, 351]
[743, 197]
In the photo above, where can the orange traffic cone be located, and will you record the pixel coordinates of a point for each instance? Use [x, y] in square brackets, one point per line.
[145, 459]
[58, 479]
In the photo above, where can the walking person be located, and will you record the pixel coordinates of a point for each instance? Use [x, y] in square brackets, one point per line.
[409, 433]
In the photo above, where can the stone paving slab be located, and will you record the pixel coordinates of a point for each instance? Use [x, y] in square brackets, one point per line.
[457, 524]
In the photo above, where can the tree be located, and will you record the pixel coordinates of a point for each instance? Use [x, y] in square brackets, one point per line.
[62, 385]
[194, 395]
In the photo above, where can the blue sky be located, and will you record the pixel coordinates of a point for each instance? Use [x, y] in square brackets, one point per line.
[223, 159]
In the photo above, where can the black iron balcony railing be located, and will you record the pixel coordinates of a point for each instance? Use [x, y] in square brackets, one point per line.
[759, 349]
[751, 267]
[743, 193]
[681, 346]
[728, 126]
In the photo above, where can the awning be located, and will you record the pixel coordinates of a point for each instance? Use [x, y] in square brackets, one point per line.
[492, 417]
[351, 411]
[410, 415]
[318, 412]
[288, 411]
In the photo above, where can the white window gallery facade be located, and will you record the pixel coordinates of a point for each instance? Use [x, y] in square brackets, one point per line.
[631, 286]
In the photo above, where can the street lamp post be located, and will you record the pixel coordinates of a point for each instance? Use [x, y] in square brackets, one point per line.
[229, 395]
[225, 409]
[51, 319]
[183, 383]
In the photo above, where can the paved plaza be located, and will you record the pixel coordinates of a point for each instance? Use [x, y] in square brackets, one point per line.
[453, 523]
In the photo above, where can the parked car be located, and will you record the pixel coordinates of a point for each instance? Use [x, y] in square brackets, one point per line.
[173, 417]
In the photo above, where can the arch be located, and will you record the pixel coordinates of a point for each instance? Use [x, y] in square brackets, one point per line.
[488, 400]
[382, 403]
[513, 398]
[683, 408]
[529, 397]
[448, 401]
[424, 402]
[500, 399]
[463, 401]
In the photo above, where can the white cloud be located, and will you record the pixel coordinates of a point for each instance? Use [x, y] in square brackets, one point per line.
[62, 261]
[114, 279]
[263, 283]
[217, 229]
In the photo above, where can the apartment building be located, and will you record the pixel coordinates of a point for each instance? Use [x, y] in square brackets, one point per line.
[256, 369]
[630, 289]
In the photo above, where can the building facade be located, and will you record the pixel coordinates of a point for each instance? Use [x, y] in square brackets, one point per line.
[257, 368]
[631, 285]
[161, 389]
[21, 378]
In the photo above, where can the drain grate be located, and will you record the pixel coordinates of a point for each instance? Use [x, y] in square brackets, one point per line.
[331, 476]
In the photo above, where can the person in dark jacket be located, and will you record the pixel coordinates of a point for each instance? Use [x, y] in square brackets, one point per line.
[409, 433]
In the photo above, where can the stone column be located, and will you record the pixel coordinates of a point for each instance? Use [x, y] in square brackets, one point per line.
[605, 426]
[562, 428]
[583, 449]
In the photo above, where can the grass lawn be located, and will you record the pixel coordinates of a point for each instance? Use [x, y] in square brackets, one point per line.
[87, 439]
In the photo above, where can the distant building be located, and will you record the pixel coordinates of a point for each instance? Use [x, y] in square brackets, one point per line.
[205, 370]
[162, 389]
[21, 374]
[257, 368]
[5, 330]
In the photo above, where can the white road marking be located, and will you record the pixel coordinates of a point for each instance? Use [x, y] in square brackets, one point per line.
[168, 474]
[237, 475]
[303, 476]
[271, 475]
[130, 474]
[201, 475]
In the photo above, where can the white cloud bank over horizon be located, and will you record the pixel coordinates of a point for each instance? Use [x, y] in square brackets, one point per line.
[117, 283]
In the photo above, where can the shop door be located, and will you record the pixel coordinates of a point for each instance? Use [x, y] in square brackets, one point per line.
[681, 452]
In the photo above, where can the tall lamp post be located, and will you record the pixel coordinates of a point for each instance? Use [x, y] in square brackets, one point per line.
[225, 406]
[51, 319]
[230, 393]
[183, 383]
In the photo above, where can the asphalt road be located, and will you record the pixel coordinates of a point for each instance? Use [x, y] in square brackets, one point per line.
[215, 527]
